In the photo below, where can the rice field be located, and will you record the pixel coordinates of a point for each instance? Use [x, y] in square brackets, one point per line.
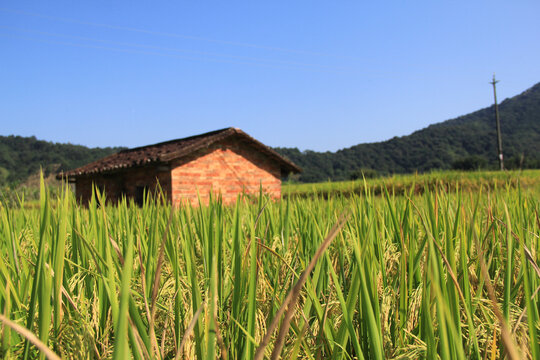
[449, 273]
[402, 184]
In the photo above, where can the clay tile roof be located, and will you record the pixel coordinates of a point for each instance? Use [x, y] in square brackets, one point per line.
[171, 150]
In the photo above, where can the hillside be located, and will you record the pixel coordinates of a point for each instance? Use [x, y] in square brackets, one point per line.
[466, 142]
[21, 157]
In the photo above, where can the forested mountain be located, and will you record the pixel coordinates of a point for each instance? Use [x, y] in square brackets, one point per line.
[21, 157]
[466, 142]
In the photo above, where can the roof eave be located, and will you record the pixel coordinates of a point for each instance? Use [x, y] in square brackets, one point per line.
[74, 174]
[96, 168]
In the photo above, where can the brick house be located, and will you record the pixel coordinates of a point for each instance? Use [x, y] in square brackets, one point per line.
[226, 162]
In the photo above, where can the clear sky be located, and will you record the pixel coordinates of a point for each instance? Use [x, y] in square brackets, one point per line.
[319, 75]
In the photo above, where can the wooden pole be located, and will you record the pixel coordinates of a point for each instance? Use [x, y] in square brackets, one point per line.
[499, 138]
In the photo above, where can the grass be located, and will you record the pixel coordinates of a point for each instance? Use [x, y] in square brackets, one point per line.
[446, 272]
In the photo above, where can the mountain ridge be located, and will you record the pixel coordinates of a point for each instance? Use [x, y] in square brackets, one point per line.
[464, 142]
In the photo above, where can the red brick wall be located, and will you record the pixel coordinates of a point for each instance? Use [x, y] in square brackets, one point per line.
[228, 168]
[123, 182]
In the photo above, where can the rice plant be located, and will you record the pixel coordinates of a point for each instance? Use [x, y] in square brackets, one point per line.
[440, 273]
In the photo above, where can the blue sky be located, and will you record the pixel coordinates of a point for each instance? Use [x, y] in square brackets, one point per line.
[307, 74]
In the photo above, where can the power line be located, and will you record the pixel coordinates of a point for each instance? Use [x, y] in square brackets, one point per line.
[174, 35]
[189, 51]
[142, 52]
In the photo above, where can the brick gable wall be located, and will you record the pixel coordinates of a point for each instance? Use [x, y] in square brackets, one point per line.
[228, 168]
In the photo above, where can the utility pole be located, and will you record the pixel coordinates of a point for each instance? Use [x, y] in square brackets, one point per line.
[499, 139]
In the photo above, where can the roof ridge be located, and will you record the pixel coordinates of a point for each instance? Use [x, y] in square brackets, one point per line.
[214, 132]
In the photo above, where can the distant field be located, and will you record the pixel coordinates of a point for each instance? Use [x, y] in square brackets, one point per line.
[437, 274]
[401, 184]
